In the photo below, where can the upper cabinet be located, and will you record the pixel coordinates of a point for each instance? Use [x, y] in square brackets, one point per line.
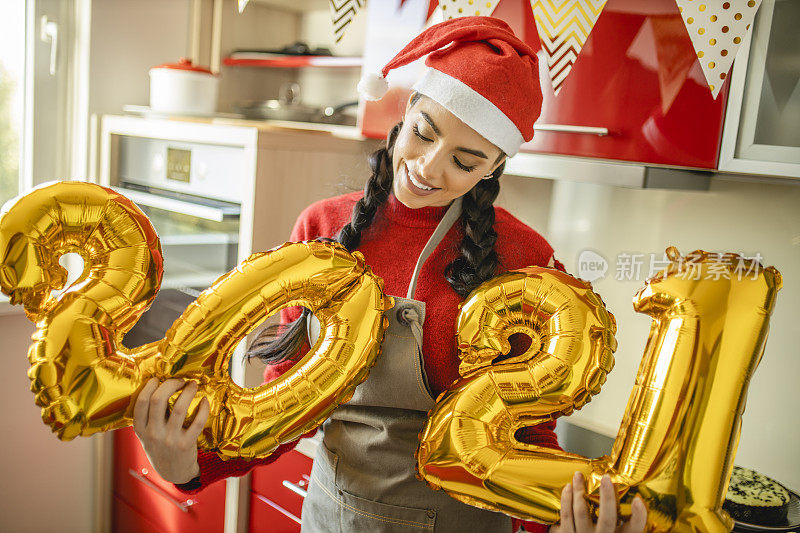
[635, 93]
[762, 126]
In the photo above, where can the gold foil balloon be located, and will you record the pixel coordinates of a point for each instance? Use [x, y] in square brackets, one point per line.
[678, 438]
[468, 447]
[85, 379]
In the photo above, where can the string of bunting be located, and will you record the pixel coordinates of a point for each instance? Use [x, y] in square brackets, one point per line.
[716, 29]
[342, 14]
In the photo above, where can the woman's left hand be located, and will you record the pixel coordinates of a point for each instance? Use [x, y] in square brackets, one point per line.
[575, 516]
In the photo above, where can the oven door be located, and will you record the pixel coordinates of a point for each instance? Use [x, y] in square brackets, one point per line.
[200, 241]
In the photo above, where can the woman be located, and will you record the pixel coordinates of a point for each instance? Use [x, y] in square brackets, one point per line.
[427, 225]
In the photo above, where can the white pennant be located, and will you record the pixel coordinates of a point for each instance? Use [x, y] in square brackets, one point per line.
[717, 30]
[467, 8]
[564, 26]
[342, 14]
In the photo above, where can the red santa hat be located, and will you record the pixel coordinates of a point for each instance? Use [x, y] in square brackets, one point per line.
[479, 71]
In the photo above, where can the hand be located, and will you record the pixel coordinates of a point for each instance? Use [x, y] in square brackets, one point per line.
[575, 516]
[171, 449]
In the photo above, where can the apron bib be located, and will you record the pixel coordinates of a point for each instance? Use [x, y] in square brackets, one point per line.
[363, 477]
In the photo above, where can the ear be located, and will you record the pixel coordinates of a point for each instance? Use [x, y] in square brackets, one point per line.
[410, 103]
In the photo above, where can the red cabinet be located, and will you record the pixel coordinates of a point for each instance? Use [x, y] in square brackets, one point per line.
[145, 502]
[278, 490]
[637, 77]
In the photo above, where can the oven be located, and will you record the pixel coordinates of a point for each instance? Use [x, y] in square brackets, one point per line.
[192, 186]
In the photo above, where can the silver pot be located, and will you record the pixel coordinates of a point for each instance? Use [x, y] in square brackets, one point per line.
[288, 107]
[277, 110]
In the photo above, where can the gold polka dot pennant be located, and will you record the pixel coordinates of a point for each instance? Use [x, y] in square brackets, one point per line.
[717, 29]
[467, 8]
[564, 26]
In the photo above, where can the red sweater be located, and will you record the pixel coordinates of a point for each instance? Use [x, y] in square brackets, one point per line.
[391, 246]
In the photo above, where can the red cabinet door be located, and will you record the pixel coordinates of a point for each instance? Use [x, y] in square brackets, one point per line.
[127, 520]
[278, 490]
[137, 485]
[637, 76]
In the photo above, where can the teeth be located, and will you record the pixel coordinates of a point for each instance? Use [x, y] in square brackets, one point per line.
[418, 184]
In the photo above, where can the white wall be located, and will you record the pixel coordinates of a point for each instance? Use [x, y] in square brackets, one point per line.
[47, 484]
[127, 39]
[745, 217]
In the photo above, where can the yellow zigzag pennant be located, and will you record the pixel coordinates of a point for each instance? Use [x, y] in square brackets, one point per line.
[563, 27]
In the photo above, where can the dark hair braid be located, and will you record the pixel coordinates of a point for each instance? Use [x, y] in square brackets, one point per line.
[376, 192]
[478, 261]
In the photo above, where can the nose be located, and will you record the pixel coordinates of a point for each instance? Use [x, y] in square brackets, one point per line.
[431, 166]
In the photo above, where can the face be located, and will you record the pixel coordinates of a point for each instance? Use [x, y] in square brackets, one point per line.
[437, 157]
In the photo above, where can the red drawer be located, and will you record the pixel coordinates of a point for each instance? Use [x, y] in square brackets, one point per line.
[127, 520]
[138, 485]
[284, 481]
[266, 516]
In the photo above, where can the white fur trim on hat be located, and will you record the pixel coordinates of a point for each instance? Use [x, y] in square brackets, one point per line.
[475, 110]
[373, 86]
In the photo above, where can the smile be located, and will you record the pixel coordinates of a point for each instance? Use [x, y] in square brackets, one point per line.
[417, 185]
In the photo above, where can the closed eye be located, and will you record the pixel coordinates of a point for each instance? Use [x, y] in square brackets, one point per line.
[462, 166]
[418, 134]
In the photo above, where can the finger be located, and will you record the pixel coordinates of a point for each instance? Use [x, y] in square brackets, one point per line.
[580, 511]
[199, 422]
[567, 525]
[157, 417]
[607, 519]
[142, 405]
[181, 408]
[638, 518]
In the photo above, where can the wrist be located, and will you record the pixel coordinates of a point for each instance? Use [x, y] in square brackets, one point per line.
[194, 474]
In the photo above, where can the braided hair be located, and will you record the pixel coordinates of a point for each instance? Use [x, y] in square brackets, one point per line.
[477, 263]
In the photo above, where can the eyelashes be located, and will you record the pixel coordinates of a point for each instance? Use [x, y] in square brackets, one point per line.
[418, 134]
[458, 163]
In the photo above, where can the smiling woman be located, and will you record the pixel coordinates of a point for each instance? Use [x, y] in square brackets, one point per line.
[425, 223]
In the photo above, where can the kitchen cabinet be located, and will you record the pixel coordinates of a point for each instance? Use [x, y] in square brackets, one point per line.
[636, 92]
[144, 501]
[277, 494]
[761, 133]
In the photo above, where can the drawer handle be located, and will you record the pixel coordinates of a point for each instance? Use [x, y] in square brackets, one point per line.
[297, 489]
[142, 476]
[571, 129]
[277, 507]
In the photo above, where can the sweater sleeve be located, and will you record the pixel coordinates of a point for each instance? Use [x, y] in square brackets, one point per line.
[212, 467]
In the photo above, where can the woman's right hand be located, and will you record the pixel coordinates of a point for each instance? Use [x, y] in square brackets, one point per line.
[575, 517]
[171, 449]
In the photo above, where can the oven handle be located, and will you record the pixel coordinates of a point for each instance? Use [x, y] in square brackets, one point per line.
[215, 214]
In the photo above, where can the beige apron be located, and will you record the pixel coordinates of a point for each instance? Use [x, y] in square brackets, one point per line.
[363, 478]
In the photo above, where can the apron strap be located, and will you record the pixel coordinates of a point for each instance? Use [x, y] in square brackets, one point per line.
[449, 218]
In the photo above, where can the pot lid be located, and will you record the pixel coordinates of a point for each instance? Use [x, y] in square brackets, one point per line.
[184, 63]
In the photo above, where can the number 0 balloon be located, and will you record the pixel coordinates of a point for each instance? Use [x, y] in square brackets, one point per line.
[84, 378]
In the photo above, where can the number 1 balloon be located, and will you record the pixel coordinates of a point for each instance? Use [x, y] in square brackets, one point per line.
[83, 377]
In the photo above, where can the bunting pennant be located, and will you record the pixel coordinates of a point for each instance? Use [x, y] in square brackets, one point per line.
[564, 26]
[717, 30]
[467, 8]
[342, 13]
[242, 5]
[432, 5]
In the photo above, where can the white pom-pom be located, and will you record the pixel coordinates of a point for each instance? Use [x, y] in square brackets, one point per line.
[373, 86]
